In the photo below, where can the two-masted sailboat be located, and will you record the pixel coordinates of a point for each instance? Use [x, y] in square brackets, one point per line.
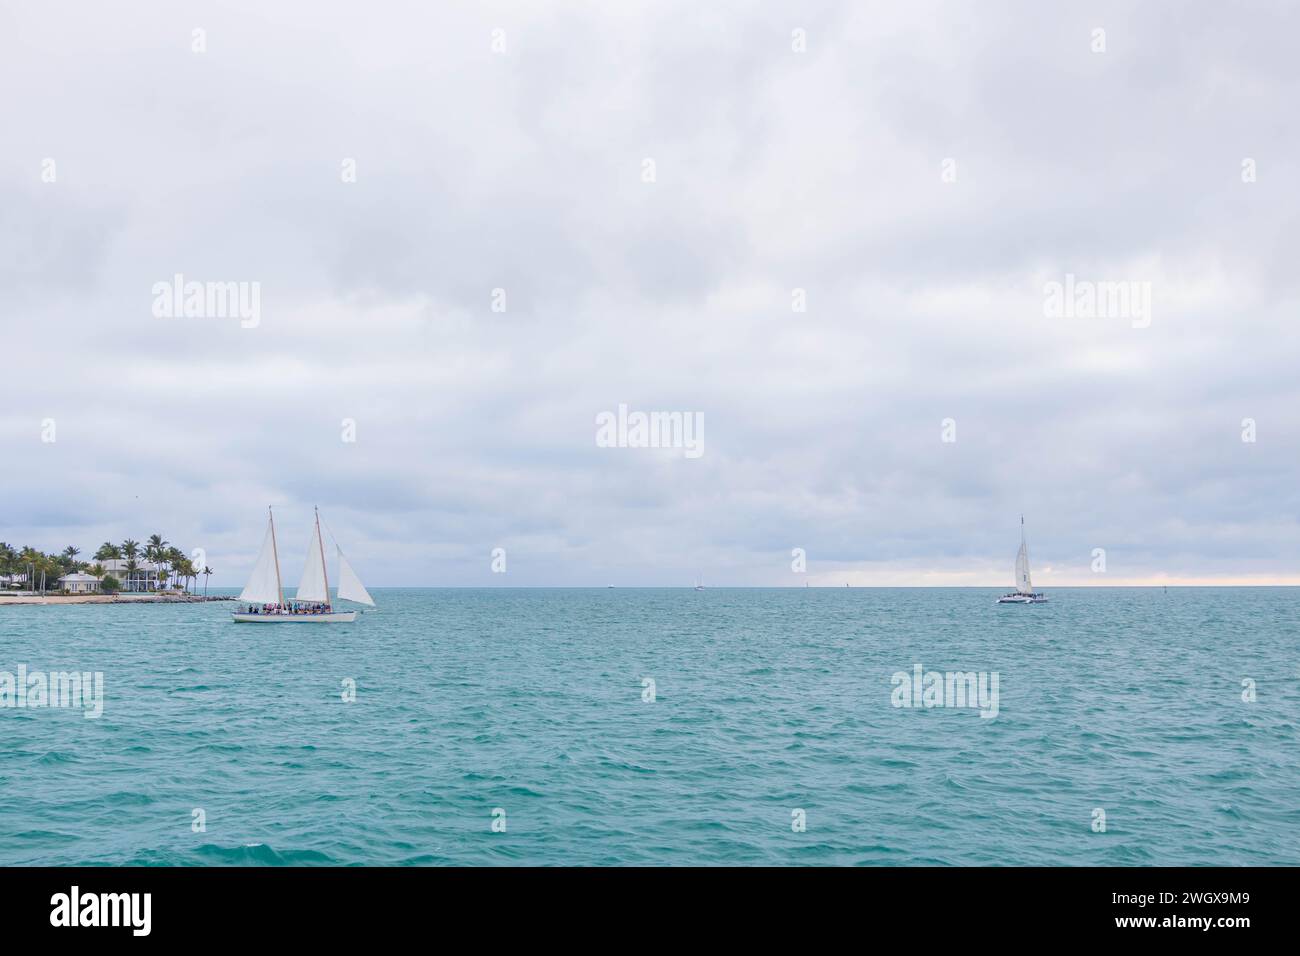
[1024, 592]
[264, 593]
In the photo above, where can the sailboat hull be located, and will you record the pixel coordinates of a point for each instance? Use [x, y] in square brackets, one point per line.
[1023, 599]
[333, 617]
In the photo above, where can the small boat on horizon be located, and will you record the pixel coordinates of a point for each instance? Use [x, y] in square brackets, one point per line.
[699, 583]
[264, 593]
[1024, 592]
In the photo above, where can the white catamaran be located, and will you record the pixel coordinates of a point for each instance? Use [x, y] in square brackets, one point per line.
[264, 593]
[1024, 592]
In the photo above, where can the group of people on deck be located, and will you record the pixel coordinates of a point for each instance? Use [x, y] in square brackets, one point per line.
[293, 607]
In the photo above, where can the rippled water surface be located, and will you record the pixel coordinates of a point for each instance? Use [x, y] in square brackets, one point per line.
[767, 701]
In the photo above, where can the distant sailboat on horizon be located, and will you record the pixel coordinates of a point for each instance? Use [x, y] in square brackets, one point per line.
[264, 592]
[699, 583]
[1024, 592]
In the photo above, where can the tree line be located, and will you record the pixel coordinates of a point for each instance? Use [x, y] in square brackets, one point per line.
[172, 566]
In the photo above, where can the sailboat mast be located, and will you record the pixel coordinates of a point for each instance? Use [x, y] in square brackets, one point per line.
[276, 552]
[324, 568]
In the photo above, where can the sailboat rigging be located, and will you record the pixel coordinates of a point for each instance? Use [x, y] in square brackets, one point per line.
[1024, 592]
[264, 593]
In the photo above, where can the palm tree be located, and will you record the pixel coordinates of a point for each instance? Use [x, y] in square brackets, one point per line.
[185, 570]
[108, 552]
[70, 556]
[130, 548]
[33, 565]
[207, 573]
[176, 558]
[158, 547]
[97, 570]
[43, 567]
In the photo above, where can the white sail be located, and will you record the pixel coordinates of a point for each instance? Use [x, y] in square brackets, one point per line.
[312, 587]
[1023, 584]
[264, 585]
[350, 586]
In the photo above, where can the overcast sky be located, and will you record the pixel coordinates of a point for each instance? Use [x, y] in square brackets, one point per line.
[524, 169]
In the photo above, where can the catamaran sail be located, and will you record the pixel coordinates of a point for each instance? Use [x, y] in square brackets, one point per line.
[1024, 592]
[1023, 584]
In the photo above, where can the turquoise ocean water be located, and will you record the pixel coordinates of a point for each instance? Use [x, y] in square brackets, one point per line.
[766, 702]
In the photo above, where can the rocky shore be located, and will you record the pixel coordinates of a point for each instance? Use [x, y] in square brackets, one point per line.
[109, 599]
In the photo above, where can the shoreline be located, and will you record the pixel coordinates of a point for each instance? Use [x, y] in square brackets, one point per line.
[111, 599]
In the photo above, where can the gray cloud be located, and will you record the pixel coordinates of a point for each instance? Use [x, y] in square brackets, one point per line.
[775, 171]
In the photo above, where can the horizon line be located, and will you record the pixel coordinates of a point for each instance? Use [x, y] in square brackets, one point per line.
[794, 587]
